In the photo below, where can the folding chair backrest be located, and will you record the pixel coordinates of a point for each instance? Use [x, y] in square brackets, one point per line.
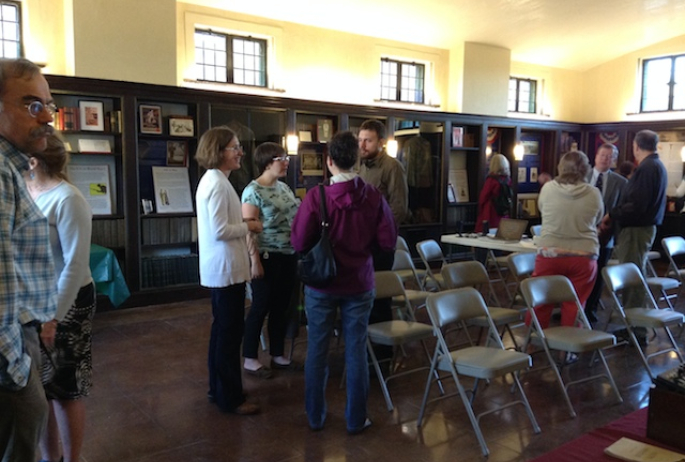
[547, 290]
[521, 264]
[626, 275]
[429, 251]
[388, 284]
[402, 244]
[464, 274]
[673, 245]
[455, 305]
[402, 261]
[619, 277]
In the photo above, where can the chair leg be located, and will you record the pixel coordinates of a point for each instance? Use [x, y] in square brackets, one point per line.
[554, 367]
[609, 375]
[472, 416]
[379, 375]
[526, 404]
[429, 381]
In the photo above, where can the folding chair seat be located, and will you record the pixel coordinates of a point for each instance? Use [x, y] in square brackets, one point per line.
[395, 333]
[628, 276]
[473, 274]
[454, 307]
[581, 338]
[430, 251]
[403, 266]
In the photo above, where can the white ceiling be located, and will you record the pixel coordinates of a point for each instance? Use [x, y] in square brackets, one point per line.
[569, 34]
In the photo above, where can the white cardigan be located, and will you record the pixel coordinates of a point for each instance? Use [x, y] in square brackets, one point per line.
[221, 232]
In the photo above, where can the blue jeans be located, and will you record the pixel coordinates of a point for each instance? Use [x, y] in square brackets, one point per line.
[321, 312]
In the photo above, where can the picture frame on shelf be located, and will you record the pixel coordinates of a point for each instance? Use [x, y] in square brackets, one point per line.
[457, 137]
[150, 119]
[451, 196]
[324, 130]
[305, 136]
[312, 162]
[181, 126]
[92, 116]
[177, 153]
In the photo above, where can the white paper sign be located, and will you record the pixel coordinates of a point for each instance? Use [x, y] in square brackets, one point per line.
[93, 182]
[172, 189]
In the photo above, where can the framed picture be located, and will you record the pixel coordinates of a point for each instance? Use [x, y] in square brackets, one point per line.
[457, 137]
[150, 119]
[312, 162]
[324, 130]
[92, 115]
[451, 196]
[177, 153]
[181, 126]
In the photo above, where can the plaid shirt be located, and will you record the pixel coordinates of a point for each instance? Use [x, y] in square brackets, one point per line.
[28, 290]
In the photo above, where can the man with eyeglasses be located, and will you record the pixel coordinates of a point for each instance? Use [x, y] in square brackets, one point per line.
[28, 291]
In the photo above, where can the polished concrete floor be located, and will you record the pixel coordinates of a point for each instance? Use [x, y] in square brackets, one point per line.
[149, 404]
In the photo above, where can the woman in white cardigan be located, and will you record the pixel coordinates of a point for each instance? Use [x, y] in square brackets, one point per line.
[224, 264]
[67, 377]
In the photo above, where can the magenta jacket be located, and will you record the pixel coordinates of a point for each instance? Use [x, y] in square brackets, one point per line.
[360, 220]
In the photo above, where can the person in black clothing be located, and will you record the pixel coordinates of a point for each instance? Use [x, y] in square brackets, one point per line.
[610, 184]
[641, 208]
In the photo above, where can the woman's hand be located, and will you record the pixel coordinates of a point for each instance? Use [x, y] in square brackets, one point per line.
[256, 268]
[47, 333]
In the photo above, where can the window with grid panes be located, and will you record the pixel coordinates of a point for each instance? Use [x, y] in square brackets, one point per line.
[230, 59]
[402, 81]
[10, 29]
[522, 95]
[663, 84]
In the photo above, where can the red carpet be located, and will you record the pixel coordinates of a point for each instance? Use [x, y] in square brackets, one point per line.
[590, 447]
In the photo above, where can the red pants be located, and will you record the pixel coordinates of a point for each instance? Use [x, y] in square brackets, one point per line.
[581, 271]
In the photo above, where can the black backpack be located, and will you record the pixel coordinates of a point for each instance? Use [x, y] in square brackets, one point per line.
[504, 199]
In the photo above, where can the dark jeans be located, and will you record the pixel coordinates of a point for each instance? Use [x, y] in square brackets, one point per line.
[271, 295]
[225, 380]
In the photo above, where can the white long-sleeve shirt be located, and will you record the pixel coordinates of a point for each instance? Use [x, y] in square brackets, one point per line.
[221, 232]
[70, 221]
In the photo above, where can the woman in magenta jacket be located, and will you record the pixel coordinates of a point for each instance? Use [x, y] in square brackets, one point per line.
[498, 171]
[359, 220]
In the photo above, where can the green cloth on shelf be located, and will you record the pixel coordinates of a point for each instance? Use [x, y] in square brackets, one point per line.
[107, 275]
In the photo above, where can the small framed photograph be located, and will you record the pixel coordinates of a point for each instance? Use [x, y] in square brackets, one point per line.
[181, 126]
[451, 196]
[305, 136]
[312, 162]
[150, 119]
[324, 130]
[177, 153]
[92, 115]
[457, 137]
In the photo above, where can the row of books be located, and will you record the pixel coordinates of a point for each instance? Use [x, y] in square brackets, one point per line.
[69, 119]
[109, 233]
[169, 230]
[169, 270]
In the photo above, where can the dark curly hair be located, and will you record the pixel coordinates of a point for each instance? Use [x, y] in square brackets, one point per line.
[343, 150]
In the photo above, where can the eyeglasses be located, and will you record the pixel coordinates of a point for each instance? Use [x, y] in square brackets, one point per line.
[36, 107]
[235, 148]
[281, 159]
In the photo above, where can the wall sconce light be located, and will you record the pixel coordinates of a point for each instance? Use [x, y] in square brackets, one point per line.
[518, 152]
[292, 142]
[488, 151]
[682, 154]
[391, 148]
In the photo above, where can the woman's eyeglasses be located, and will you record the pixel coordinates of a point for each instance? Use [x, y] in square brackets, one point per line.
[281, 159]
[235, 148]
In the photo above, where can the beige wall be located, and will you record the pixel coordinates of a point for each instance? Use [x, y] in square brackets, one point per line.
[560, 92]
[613, 88]
[130, 40]
[486, 79]
[151, 41]
[313, 63]
[44, 34]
